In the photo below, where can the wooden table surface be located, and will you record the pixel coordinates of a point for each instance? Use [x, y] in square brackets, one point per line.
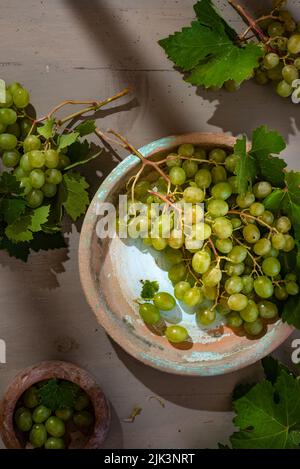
[90, 49]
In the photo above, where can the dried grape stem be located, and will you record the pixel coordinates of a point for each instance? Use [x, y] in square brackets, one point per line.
[213, 248]
[259, 20]
[166, 200]
[247, 215]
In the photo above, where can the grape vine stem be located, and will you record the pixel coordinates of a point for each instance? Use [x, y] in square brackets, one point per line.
[247, 215]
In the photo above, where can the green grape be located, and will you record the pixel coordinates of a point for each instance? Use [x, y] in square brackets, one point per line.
[2, 128]
[36, 158]
[251, 233]
[176, 239]
[193, 195]
[149, 313]
[25, 185]
[267, 309]
[23, 419]
[64, 161]
[210, 293]
[237, 302]
[284, 89]
[238, 254]
[283, 224]
[164, 301]
[222, 228]
[280, 293]
[25, 163]
[247, 284]
[82, 401]
[212, 277]
[49, 190]
[294, 44]
[262, 189]
[256, 209]
[250, 313]
[218, 155]
[289, 243]
[263, 287]
[190, 167]
[267, 217]
[14, 129]
[297, 63]
[173, 160]
[55, 443]
[244, 201]
[271, 266]
[176, 334]
[272, 253]
[292, 288]
[283, 14]
[201, 262]
[224, 245]
[83, 419]
[203, 178]
[200, 153]
[290, 73]
[261, 77]
[38, 435]
[64, 413]
[180, 289]
[186, 149]
[40, 414]
[254, 328]
[32, 142]
[217, 207]
[222, 190]
[236, 223]
[231, 163]
[233, 184]
[234, 320]
[53, 176]
[13, 87]
[223, 308]
[173, 256]
[218, 174]
[8, 99]
[233, 285]
[275, 29]
[231, 86]
[21, 98]
[11, 158]
[55, 427]
[291, 277]
[8, 141]
[177, 272]
[7, 116]
[30, 398]
[279, 43]
[234, 269]
[37, 178]
[35, 198]
[206, 316]
[25, 125]
[193, 296]
[159, 244]
[271, 60]
[262, 247]
[177, 176]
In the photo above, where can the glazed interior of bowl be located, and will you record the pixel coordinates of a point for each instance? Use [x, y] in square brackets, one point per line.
[111, 272]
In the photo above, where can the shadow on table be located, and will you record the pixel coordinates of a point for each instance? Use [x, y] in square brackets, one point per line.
[212, 393]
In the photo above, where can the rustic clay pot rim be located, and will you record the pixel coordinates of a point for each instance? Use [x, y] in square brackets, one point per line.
[264, 346]
[60, 370]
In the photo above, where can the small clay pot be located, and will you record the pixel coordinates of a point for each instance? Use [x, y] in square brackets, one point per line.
[60, 370]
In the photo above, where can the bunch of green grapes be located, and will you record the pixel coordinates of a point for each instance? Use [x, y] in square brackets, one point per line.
[237, 269]
[281, 64]
[36, 165]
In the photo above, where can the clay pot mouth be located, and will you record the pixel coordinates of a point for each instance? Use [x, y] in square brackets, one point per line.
[59, 370]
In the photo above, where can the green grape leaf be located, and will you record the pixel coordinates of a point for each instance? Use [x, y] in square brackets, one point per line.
[86, 160]
[12, 209]
[46, 241]
[266, 422]
[47, 130]
[86, 127]
[78, 151]
[291, 311]
[266, 142]
[65, 140]
[18, 250]
[241, 389]
[246, 167]
[56, 395]
[75, 197]
[292, 179]
[272, 368]
[149, 289]
[39, 217]
[232, 63]
[275, 200]
[9, 184]
[2, 91]
[19, 230]
[208, 16]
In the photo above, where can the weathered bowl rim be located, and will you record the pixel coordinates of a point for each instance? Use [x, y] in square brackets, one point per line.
[61, 370]
[208, 139]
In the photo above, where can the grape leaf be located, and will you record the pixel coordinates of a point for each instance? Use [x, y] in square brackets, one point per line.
[86, 160]
[78, 151]
[57, 395]
[9, 184]
[75, 198]
[19, 230]
[18, 250]
[291, 311]
[265, 422]
[272, 368]
[39, 217]
[246, 167]
[264, 143]
[86, 127]
[274, 200]
[47, 241]
[208, 16]
[149, 289]
[292, 179]
[65, 140]
[46, 130]
[11, 209]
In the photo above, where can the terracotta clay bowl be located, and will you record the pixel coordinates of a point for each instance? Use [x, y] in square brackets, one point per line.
[60, 370]
[111, 270]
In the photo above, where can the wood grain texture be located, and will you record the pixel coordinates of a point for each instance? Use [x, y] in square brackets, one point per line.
[76, 48]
